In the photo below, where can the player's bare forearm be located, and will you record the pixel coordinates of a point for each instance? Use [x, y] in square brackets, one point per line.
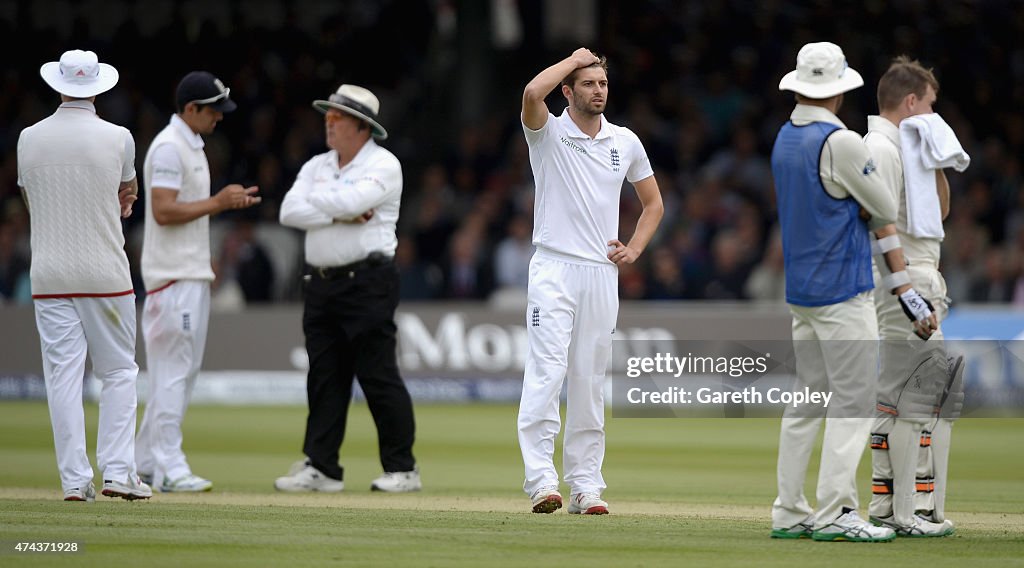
[167, 210]
[645, 228]
[654, 209]
[646, 225]
[894, 259]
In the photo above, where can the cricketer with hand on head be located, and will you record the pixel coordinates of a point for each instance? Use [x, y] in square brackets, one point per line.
[579, 162]
[77, 174]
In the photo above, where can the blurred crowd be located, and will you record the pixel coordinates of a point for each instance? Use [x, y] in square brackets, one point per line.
[697, 81]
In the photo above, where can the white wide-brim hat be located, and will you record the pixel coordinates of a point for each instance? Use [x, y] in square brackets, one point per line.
[79, 74]
[821, 72]
[358, 102]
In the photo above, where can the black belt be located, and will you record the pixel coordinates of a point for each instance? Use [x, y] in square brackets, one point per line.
[375, 260]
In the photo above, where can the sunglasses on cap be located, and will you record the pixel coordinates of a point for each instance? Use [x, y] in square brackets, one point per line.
[222, 95]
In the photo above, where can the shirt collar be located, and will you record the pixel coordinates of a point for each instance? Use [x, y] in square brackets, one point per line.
[80, 104]
[574, 131]
[885, 127]
[360, 157]
[194, 140]
[810, 113]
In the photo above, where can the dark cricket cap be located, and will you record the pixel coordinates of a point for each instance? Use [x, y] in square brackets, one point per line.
[203, 88]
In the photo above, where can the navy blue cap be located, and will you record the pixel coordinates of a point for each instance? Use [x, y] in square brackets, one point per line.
[203, 88]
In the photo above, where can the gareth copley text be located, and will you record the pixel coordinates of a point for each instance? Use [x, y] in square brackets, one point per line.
[749, 395]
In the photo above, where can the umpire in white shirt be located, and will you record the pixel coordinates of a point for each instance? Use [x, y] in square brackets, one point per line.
[347, 201]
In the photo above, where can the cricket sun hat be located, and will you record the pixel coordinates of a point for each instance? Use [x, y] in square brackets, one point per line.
[358, 102]
[201, 87]
[821, 72]
[79, 74]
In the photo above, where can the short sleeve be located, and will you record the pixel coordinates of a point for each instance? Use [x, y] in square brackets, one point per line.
[534, 137]
[128, 167]
[640, 167]
[167, 167]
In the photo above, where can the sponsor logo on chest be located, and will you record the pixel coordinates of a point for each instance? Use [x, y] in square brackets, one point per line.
[614, 159]
[573, 145]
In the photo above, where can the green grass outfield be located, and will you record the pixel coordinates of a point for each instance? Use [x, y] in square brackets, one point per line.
[681, 491]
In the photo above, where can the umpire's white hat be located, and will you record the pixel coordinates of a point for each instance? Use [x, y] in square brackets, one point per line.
[821, 72]
[358, 102]
[79, 74]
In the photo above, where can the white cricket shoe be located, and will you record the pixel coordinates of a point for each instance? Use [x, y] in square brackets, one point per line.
[850, 527]
[546, 500]
[131, 489]
[307, 479]
[87, 493]
[398, 482]
[803, 529]
[919, 527]
[190, 483]
[587, 504]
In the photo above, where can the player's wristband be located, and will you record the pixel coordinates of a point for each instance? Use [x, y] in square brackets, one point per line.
[894, 280]
[886, 244]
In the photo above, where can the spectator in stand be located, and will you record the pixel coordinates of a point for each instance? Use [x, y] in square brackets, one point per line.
[246, 263]
[767, 282]
[466, 275]
[513, 253]
[996, 284]
[14, 281]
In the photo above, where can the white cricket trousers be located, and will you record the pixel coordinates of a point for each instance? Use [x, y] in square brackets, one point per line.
[570, 317]
[174, 324]
[914, 463]
[105, 329]
[836, 351]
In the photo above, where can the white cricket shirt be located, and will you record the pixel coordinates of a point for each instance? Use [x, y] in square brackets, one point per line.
[579, 182]
[176, 160]
[71, 165]
[324, 193]
[883, 140]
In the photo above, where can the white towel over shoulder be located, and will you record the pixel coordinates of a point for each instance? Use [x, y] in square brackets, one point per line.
[928, 144]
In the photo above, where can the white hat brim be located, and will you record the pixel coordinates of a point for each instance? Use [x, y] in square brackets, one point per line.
[50, 72]
[848, 82]
[378, 130]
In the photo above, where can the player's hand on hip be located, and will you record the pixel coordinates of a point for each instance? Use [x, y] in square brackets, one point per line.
[583, 57]
[622, 254]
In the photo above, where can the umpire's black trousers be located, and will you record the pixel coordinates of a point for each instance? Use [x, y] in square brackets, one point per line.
[350, 332]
